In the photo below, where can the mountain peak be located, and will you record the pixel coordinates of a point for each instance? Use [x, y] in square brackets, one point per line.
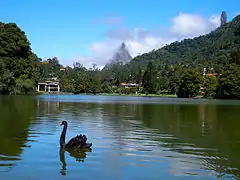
[121, 56]
[123, 45]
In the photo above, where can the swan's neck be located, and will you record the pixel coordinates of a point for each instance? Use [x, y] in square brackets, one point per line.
[63, 135]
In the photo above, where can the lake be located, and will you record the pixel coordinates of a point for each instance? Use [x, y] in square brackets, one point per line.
[133, 137]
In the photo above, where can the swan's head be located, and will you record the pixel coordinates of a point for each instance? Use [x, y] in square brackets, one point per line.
[63, 123]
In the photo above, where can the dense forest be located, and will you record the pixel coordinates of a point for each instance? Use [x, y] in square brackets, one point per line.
[208, 65]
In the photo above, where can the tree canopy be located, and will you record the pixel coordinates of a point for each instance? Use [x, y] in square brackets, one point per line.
[17, 61]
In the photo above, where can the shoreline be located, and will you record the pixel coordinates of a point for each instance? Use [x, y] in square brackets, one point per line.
[117, 94]
[109, 94]
[139, 95]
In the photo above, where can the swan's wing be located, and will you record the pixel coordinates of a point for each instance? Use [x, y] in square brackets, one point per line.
[81, 139]
[78, 141]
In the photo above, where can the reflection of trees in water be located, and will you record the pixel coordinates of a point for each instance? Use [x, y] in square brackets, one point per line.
[52, 109]
[17, 112]
[212, 128]
[46, 108]
[79, 109]
[109, 116]
[79, 154]
[112, 113]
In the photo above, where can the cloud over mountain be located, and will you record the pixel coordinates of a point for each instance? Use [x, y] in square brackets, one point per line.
[121, 56]
[140, 40]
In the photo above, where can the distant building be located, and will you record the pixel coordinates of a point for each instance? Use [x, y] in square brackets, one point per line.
[129, 85]
[212, 74]
[49, 86]
[62, 68]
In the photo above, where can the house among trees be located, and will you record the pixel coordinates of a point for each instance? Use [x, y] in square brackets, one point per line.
[62, 68]
[129, 85]
[49, 86]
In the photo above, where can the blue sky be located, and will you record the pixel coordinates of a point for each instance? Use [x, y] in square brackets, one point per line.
[72, 29]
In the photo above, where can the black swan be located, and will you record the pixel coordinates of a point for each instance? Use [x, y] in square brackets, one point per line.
[79, 141]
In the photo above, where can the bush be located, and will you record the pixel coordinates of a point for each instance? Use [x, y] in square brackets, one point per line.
[210, 86]
[189, 85]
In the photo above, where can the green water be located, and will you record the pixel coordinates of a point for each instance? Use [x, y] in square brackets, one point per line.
[133, 138]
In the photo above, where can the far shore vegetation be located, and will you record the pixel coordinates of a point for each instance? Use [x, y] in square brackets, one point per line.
[205, 66]
[112, 94]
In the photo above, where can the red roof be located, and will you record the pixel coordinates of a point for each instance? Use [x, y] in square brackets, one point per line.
[214, 74]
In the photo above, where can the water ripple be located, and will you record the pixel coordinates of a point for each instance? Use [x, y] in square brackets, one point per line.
[130, 140]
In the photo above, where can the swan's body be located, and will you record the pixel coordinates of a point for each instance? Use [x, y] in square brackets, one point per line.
[79, 141]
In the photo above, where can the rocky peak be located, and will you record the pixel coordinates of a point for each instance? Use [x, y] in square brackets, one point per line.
[121, 56]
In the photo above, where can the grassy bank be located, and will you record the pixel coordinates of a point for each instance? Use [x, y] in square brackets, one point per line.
[142, 95]
[118, 94]
[113, 94]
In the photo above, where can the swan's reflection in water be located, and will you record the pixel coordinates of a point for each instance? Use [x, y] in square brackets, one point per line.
[79, 154]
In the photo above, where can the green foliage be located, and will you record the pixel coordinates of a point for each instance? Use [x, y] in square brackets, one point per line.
[107, 89]
[17, 62]
[24, 85]
[125, 91]
[93, 85]
[190, 83]
[210, 86]
[212, 49]
[229, 82]
[85, 81]
[161, 83]
[7, 82]
[66, 81]
[149, 78]
[131, 90]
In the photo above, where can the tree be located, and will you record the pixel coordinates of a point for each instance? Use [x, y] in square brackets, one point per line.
[93, 85]
[174, 75]
[190, 84]
[17, 61]
[210, 86]
[161, 83]
[148, 79]
[139, 76]
[7, 81]
[229, 82]
[66, 80]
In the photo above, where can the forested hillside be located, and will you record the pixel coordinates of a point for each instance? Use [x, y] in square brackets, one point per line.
[208, 65]
[210, 50]
[166, 69]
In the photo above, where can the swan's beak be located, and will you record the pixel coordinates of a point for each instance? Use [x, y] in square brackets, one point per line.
[60, 124]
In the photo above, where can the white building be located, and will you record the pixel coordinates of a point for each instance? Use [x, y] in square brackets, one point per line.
[48, 86]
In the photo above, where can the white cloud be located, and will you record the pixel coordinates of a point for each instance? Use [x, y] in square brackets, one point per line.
[141, 40]
[191, 25]
[146, 44]
[214, 21]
